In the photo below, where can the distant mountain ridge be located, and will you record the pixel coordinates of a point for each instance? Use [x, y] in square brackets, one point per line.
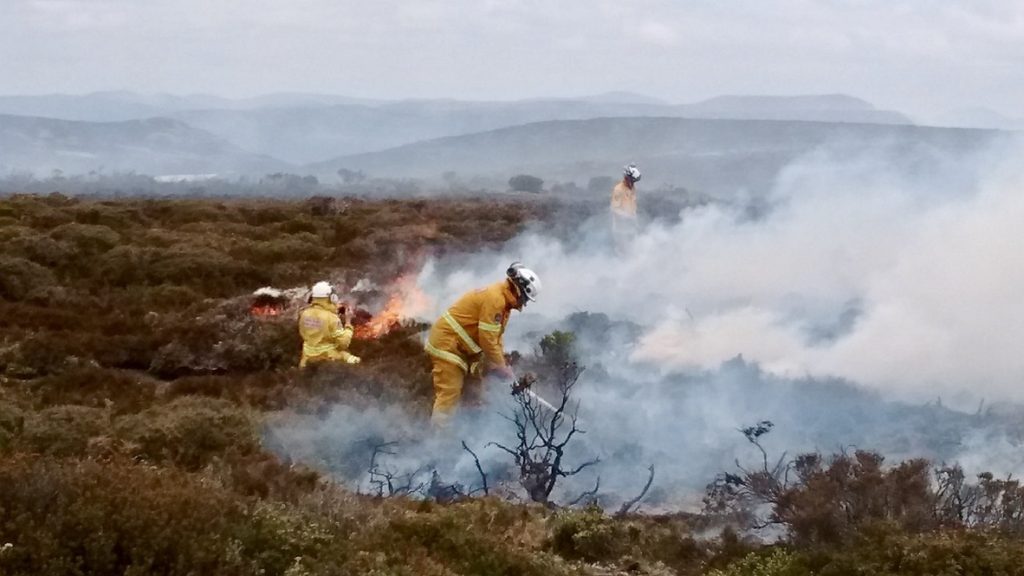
[819, 108]
[304, 128]
[151, 146]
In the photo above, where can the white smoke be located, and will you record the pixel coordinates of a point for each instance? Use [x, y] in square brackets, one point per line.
[904, 281]
[841, 314]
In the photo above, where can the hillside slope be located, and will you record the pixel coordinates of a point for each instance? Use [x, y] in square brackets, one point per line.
[712, 155]
[154, 146]
[312, 134]
[304, 128]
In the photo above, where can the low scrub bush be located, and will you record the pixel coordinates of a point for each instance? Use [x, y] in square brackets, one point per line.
[19, 277]
[189, 432]
[63, 430]
[588, 535]
[771, 562]
[87, 239]
[38, 355]
[42, 250]
[80, 517]
[120, 391]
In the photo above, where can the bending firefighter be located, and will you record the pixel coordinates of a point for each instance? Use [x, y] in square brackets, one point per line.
[325, 338]
[624, 224]
[467, 339]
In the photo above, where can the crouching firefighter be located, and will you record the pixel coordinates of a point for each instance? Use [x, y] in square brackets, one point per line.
[467, 339]
[325, 336]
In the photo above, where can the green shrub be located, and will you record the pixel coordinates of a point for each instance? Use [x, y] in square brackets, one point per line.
[189, 432]
[11, 231]
[125, 265]
[19, 277]
[296, 248]
[40, 249]
[884, 549]
[88, 239]
[526, 183]
[97, 388]
[12, 424]
[67, 517]
[558, 348]
[209, 272]
[64, 430]
[777, 562]
[470, 538]
[588, 535]
[37, 355]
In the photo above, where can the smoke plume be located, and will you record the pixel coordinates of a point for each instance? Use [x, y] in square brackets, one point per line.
[866, 306]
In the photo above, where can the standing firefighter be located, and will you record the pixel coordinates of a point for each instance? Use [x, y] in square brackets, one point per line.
[325, 338]
[467, 339]
[624, 223]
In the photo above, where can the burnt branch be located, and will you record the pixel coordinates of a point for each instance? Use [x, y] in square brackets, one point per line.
[388, 483]
[628, 506]
[479, 468]
[590, 495]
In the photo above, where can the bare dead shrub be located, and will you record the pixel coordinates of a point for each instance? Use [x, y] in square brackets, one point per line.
[543, 432]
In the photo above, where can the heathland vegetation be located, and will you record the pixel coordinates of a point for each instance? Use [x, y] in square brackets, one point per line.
[135, 384]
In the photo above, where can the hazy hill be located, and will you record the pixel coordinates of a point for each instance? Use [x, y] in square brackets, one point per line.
[123, 105]
[822, 108]
[719, 156]
[304, 135]
[303, 128]
[154, 146]
[312, 134]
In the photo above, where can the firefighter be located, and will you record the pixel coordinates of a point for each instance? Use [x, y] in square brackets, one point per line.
[325, 336]
[467, 339]
[624, 223]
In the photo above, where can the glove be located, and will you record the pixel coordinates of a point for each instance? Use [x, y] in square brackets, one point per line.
[476, 369]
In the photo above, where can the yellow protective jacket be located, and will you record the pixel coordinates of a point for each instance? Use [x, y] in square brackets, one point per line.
[472, 329]
[323, 336]
[623, 200]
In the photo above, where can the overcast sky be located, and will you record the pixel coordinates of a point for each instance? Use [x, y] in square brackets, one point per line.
[919, 56]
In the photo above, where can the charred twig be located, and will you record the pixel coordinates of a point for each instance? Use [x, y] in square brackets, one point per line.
[389, 483]
[476, 460]
[628, 506]
[444, 492]
[589, 494]
[381, 478]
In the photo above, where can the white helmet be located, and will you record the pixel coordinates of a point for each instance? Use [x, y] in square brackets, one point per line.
[527, 281]
[631, 172]
[321, 289]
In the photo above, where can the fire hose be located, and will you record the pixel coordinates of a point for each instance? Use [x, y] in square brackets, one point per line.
[540, 400]
[522, 386]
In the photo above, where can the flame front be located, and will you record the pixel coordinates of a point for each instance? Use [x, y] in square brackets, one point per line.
[406, 300]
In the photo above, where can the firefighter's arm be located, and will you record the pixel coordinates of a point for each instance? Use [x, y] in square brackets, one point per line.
[490, 329]
[340, 335]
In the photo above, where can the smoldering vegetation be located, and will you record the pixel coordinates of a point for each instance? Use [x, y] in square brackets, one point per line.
[859, 307]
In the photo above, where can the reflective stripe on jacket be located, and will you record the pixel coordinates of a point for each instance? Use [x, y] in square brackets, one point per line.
[474, 326]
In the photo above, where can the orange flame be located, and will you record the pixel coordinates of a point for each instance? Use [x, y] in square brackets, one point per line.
[265, 310]
[406, 300]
